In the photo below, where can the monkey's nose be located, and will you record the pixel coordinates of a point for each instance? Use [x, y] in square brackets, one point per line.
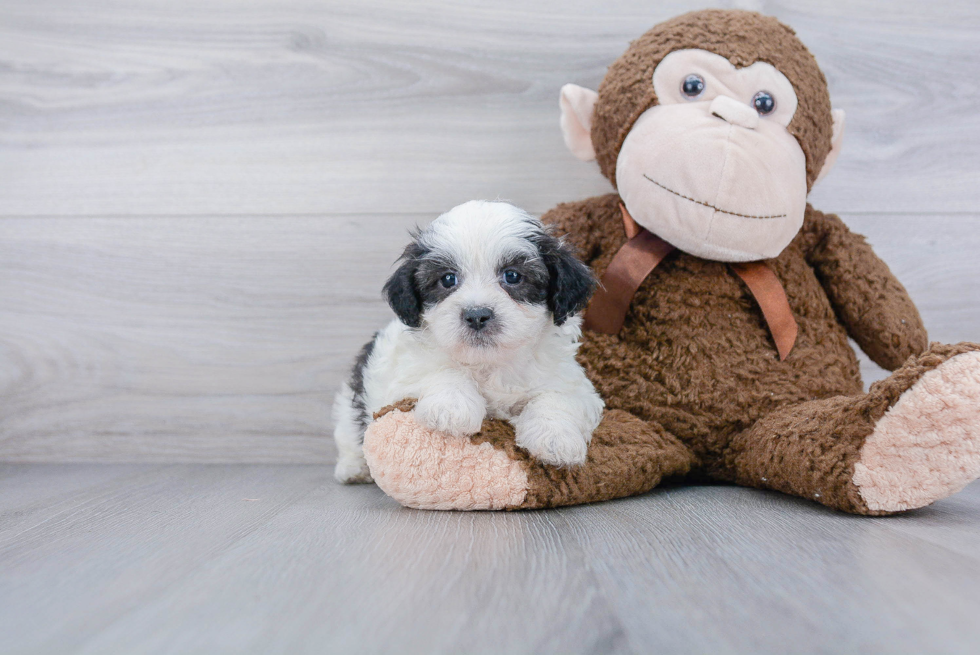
[477, 318]
[735, 112]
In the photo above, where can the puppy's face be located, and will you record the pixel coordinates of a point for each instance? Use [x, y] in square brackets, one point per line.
[487, 277]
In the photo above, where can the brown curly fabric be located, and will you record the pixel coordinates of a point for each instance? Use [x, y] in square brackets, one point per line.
[404, 405]
[627, 456]
[695, 355]
[743, 38]
[810, 449]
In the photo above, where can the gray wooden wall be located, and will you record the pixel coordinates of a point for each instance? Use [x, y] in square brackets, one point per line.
[199, 201]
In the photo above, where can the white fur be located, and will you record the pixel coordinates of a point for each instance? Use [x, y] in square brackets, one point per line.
[527, 374]
[351, 466]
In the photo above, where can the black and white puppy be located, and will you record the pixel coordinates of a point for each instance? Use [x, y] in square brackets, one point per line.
[488, 326]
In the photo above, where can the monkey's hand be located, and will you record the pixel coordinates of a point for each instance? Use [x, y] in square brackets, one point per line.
[872, 304]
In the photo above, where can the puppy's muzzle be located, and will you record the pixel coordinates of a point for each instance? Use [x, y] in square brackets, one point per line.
[477, 318]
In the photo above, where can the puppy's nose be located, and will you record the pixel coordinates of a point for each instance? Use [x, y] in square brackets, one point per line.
[477, 317]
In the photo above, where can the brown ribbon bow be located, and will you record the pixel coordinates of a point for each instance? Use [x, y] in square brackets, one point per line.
[644, 251]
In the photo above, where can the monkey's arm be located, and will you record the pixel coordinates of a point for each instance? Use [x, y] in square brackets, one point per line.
[867, 298]
[594, 225]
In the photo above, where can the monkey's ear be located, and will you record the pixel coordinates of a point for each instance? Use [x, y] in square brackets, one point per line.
[402, 293]
[577, 104]
[836, 138]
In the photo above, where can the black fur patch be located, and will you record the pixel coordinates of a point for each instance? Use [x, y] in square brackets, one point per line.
[428, 279]
[535, 279]
[401, 290]
[570, 283]
[357, 383]
[416, 284]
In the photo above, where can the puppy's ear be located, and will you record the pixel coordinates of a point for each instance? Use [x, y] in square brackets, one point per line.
[401, 291]
[571, 282]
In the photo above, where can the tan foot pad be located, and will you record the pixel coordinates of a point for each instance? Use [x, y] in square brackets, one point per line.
[425, 469]
[927, 446]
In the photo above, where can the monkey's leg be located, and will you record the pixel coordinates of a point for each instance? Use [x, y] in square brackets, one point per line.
[914, 438]
[428, 470]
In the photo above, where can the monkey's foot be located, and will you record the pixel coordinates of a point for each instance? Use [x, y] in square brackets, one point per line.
[927, 446]
[427, 469]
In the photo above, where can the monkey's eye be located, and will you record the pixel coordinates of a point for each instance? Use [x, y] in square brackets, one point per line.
[512, 277]
[448, 280]
[693, 85]
[763, 102]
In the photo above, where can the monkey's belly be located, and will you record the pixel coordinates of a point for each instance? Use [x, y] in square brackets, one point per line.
[696, 355]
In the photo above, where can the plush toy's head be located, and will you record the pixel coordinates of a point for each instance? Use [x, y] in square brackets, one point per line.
[713, 127]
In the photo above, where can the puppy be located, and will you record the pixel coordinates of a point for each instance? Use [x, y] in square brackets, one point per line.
[487, 304]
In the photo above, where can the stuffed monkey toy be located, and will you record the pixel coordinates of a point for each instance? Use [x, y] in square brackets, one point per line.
[719, 337]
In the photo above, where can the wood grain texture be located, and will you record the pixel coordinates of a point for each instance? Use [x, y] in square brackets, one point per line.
[281, 559]
[257, 107]
[223, 339]
[175, 339]
[199, 202]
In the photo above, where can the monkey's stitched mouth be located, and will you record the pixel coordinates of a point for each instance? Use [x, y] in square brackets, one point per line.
[705, 204]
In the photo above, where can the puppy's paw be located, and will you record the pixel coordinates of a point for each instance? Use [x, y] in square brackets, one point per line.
[456, 413]
[553, 442]
[352, 469]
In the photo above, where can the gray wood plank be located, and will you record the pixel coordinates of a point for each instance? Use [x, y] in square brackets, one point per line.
[26, 490]
[953, 524]
[174, 560]
[224, 338]
[166, 108]
[368, 576]
[85, 561]
[723, 569]
[197, 338]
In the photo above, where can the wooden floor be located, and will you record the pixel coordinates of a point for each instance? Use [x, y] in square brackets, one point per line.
[280, 559]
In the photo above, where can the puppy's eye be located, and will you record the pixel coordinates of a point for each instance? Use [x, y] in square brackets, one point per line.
[448, 280]
[512, 277]
[693, 85]
[763, 102]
